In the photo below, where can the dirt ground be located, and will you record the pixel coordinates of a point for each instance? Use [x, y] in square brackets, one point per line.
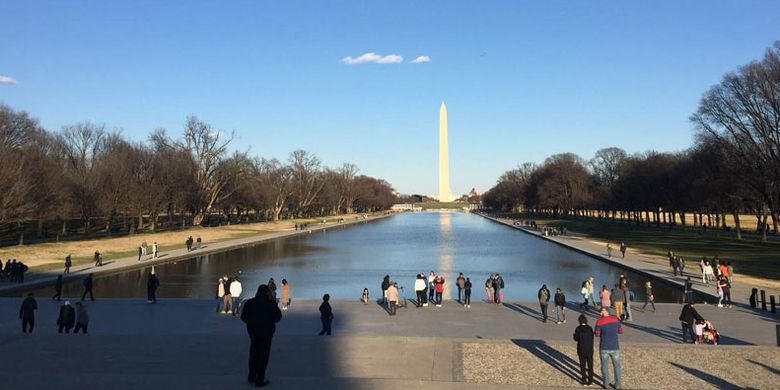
[52, 254]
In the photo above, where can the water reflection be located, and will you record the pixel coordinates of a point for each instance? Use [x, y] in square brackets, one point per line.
[345, 260]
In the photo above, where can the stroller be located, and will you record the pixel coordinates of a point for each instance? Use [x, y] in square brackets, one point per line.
[710, 334]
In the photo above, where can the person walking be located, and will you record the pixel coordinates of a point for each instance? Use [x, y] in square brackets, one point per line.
[498, 295]
[618, 300]
[98, 259]
[326, 315]
[68, 263]
[260, 314]
[154, 250]
[544, 299]
[152, 283]
[585, 295]
[608, 329]
[649, 297]
[66, 318]
[144, 247]
[87, 283]
[627, 301]
[188, 243]
[140, 253]
[460, 282]
[439, 282]
[27, 313]
[285, 294]
[489, 288]
[385, 285]
[719, 289]
[583, 335]
[609, 250]
[419, 289]
[392, 298]
[236, 289]
[560, 306]
[467, 293]
[82, 318]
[623, 249]
[57, 288]
[688, 318]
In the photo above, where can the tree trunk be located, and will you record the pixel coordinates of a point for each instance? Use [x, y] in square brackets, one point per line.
[737, 227]
[762, 223]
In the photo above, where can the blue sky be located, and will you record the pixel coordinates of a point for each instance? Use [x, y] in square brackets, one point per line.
[521, 80]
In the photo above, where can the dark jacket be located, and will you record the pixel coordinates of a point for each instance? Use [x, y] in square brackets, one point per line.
[385, 284]
[583, 335]
[87, 283]
[689, 314]
[500, 282]
[152, 283]
[467, 286]
[58, 284]
[260, 315]
[27, 310]
[326, 312]
[560, 299]
[67, 316]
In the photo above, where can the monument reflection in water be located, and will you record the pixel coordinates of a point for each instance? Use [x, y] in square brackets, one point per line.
[345, 260]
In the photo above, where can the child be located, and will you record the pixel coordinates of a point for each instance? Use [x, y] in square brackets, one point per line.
[699, 331]
[365, 296]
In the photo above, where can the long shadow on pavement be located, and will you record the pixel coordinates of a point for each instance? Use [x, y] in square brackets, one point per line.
[718, 382]
[524, 310]
[553, 357]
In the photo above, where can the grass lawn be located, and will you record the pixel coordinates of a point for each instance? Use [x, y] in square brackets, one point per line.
[749, 257]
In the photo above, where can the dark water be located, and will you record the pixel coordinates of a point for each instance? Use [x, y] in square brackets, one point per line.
[343, 261]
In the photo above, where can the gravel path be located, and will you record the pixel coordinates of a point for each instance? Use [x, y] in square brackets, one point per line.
[538, 363]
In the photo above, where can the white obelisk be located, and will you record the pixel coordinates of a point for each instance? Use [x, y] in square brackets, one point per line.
[445, 192]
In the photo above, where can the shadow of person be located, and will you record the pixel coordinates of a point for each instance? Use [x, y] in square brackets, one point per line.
[768, 368]
[520, 308]
[553, 357]
[384, 307]
[718, 382]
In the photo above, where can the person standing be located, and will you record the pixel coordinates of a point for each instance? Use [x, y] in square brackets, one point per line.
[583, 335]
[385, 285]
[271, 288]
[198, 242]
[585, 295]
[68, 263]
[730, 270]
[627, 301]
[431, 286]
[220, 293]
[154, 250]
[467, 293]
[144, 247]
[98, 259]
[82, 318]
[605, 297]
[498, 295]
[392, 298]
[87, 283]
[188, 243]
[27, 313]
[609, 250]
[227, 299]
[285, 294]
[140, 253]
[460, 282]
[591, 281]
[618, 299]
[489, 288]
[726, 286]
[419, 289]
[439, 282]
[649, 297]
[152, 283]
[623, 249]
[236, 289]
[608, 328]
[544, 299]
[688, 290]
[560, 306]
[260, 315]
[57, 288]
[326, 315]
[67, 317]
[688, 318]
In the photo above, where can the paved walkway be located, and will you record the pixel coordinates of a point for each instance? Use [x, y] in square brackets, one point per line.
[35, 280]
[654, 267]
[183, 343]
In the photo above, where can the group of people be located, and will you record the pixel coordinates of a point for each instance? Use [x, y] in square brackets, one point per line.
[493, 286]
[608, 329]
[622, 247]
[143, 249]
[13, 270]
[192, 244]
[228, 296]
[66, 320]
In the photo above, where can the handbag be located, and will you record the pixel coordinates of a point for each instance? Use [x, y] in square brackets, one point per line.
[652, 298]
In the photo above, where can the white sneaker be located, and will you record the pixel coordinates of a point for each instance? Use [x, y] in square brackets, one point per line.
[719, 305]
[438, 305]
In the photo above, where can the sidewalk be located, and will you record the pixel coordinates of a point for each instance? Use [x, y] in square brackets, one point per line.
[34, 280]
[651, 266]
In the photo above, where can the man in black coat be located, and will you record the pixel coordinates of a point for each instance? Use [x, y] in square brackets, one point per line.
[688, 318]
[87, 283]
[27, 313]
[583, 335]
[151, 288]
[260, 315]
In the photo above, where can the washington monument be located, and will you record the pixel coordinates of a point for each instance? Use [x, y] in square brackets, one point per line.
[445, 193]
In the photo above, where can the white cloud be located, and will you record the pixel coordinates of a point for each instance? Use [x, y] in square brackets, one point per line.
[421, 59]
[373, 57]
[7, 80]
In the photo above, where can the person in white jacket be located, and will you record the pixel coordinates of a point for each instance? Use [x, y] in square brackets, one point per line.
[235, 291]
[419, 287]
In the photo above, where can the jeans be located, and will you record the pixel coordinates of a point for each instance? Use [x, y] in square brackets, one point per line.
[420, 298]
[543, 306]
[605, 355]
[28, 322]
[628, 310]
[586, 369]
[648, 302]
[438, 298]
[460, 291]
[326, 323]
[237, 305]
[431, 288]
[467, 297]
[560, 311]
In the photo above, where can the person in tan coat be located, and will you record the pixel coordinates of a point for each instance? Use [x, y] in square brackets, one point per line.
[392, 297]
[285, 294]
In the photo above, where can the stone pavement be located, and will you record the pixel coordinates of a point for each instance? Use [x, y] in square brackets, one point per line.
[654, 267]
[35, 280]
[183, 343]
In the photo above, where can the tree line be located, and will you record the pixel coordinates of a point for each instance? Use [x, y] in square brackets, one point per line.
[732, 168]
[86, 179]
